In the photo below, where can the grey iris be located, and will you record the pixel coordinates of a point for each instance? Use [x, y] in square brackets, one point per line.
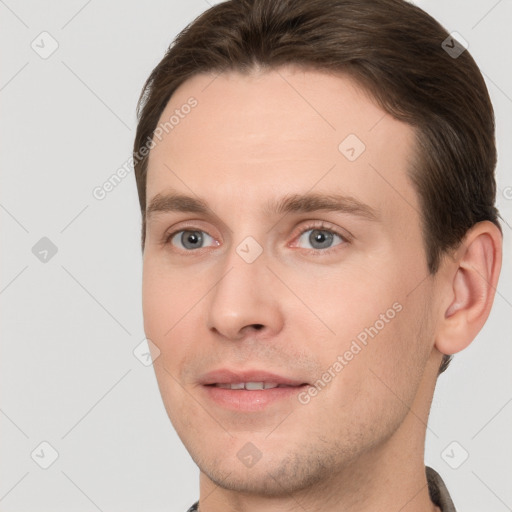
[323, 238]
[191, 239]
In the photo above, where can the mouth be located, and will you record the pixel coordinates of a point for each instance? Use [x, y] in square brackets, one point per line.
[248, 379]
[247, 397]
[249, 391]
[253, 386]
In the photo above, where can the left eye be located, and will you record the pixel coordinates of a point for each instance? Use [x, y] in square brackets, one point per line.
[319, 238]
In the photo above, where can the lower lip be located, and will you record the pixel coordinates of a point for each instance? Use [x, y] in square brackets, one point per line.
[246, 401]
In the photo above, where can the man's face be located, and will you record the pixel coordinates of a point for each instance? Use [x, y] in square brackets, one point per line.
[307, 294]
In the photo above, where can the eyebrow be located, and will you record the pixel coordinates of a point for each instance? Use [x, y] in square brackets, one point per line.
[293, 203]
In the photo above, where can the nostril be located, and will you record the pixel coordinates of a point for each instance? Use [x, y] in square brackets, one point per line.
[258, 326]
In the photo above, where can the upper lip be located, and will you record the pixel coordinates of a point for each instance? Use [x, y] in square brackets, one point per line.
[225, 376]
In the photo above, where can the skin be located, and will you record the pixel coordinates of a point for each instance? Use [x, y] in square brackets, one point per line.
[358, 445]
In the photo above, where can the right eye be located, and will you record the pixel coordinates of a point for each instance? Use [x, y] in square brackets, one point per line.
[187, 239]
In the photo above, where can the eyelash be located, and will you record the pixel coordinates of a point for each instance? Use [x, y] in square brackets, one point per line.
[317, 225]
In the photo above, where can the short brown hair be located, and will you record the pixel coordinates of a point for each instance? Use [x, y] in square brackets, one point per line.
[394, 51]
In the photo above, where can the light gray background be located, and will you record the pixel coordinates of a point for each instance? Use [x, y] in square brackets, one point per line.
[69, 326]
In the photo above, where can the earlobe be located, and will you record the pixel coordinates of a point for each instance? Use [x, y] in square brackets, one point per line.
[470, 283]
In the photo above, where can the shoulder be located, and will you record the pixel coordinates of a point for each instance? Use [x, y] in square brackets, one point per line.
[438, 492]
[194, 507]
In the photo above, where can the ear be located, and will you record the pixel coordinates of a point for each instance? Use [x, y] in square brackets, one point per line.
[468, 285]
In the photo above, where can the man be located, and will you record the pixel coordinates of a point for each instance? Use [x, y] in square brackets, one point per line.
[319, 235]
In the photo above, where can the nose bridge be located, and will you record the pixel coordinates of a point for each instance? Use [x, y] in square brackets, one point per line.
[242, 296]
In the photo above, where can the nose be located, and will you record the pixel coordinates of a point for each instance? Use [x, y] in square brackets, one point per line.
[245, 300]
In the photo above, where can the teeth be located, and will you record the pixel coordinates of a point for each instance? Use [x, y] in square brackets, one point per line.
[254, 385]
[249, 385]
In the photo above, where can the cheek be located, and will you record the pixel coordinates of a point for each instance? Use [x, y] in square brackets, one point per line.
[348, 301]
[171, 303]
[156, 305]
[167, 296]
[374, 391]
[388, 370]
[377, 342]
[160, 309]
[165, 302]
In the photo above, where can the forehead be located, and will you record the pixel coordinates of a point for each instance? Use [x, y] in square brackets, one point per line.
[249, 137]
